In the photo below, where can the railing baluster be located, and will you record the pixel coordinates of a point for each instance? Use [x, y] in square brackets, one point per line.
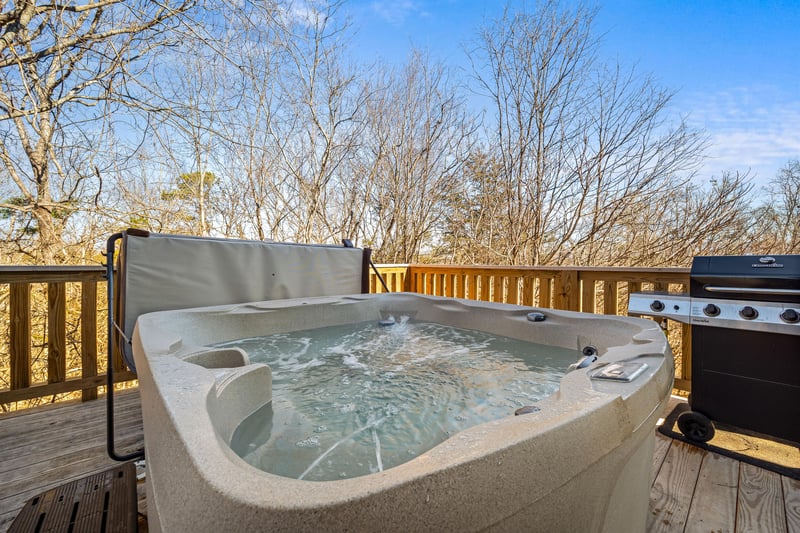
[461, 289]
[588, 295]
[497, 288]
[610, 297]
[512, 296]
[56, 332]
[527, 290]
[546, 292]
[485, 288]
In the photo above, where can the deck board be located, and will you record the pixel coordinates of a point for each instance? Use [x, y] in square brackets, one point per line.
[713, 506]
[672, 492]
[693, 490]
[662, 446]
[760, 504]
[791, 496]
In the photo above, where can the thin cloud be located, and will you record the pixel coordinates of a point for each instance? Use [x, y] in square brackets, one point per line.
[755, 128]
[304, 12]
[396, 12]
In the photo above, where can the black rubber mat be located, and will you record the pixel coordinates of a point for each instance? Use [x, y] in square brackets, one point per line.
[104, 502]
[780, 456]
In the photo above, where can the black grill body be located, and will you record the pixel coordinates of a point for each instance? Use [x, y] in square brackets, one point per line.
[746, 370]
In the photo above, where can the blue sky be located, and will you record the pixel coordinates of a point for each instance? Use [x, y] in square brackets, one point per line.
[735, 64]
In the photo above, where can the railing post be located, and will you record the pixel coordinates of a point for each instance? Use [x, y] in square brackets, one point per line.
[20, 332]
[567, 290]
[56, 332]
[89, 336]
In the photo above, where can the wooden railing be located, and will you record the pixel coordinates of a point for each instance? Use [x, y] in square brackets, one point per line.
[54, 343]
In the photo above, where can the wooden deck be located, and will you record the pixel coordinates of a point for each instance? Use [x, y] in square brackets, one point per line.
[693, 490]
[698, 491]
[46, 447]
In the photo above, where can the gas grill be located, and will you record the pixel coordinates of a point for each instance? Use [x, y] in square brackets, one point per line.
[745, 317]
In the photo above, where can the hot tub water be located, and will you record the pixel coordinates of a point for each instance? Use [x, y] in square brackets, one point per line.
[360, 398]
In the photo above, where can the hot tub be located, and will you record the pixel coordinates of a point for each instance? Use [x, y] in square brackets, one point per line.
[578, 460]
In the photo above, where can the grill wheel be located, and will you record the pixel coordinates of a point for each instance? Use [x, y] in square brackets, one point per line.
[696, 426]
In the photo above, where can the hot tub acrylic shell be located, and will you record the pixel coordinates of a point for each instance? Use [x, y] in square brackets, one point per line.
[582, 462]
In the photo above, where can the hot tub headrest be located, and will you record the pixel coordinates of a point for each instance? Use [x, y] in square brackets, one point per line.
[158, 272]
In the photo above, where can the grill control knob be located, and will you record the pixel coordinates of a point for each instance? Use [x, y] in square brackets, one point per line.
[711, 310]
[748, 313]
[657, 306]
[791, 316]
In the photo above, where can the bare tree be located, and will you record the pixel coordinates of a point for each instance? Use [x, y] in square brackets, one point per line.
[60, 64]
[579, 143]
[475, 218]
[320, 109]
[419, 137]
[255, 199]
[708, 219]
[778, 230]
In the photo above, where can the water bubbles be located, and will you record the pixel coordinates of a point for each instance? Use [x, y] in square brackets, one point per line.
[310, 442]
[362, 398]
[352, 361]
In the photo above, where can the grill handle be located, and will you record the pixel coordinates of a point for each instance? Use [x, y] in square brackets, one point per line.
[748, 290]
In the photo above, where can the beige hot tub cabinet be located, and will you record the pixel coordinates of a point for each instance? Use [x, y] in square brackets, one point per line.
[582, 462]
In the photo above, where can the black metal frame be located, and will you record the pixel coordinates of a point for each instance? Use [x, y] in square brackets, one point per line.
[110, 442]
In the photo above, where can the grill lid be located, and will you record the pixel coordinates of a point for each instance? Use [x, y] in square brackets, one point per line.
[774, 278]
